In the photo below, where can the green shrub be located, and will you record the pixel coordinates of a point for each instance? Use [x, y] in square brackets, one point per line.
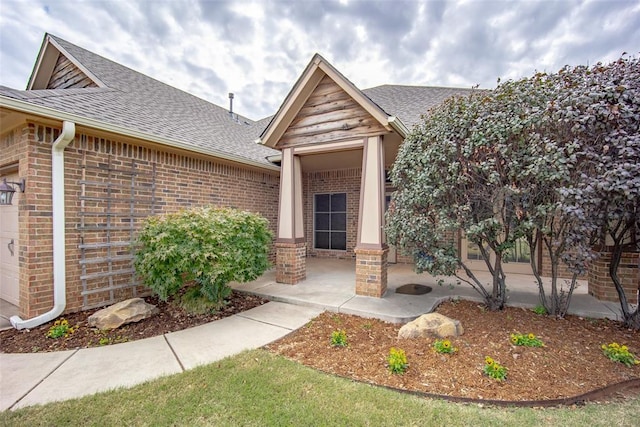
[540, 310]
[339, 338]
[397, 361]
[444, 347]
[61, 328]
[209, 246]
[494, 370]
[526, 340]
[620, 353]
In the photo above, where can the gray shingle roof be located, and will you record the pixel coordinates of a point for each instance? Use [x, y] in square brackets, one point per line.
[408, 103]
[140, 103]
[143, 104]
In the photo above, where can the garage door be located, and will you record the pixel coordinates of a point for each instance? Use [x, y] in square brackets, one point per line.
[9, 248]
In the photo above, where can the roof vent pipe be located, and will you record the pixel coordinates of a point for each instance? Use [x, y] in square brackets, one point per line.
[59, 263]
[231, 104]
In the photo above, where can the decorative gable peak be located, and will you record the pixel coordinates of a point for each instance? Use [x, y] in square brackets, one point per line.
[329, 114]
[325, 106]
[57, 69]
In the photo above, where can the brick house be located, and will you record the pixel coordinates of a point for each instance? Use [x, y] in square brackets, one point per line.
[101, 147]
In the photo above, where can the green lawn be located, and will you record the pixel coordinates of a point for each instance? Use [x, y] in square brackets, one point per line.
[258, 388]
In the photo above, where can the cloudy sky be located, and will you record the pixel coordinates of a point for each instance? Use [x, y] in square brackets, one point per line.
[257, 49]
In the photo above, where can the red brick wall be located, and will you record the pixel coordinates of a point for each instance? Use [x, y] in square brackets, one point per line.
[335, 181]
[181, 180]
[600, 284]
[563, 270]
[371, 272]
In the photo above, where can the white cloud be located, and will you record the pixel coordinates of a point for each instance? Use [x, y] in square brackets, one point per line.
[257, 49]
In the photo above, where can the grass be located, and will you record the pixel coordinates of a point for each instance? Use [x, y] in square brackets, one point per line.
[257, 388]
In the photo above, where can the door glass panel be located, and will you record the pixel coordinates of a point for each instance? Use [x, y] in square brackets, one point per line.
[322, 203]
[339, 241]
[322, 239]
[322, 222]
[339, 221]
[330, 221]
[339, 202]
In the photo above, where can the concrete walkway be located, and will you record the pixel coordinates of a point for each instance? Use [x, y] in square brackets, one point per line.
[330, 285]
[29, 379]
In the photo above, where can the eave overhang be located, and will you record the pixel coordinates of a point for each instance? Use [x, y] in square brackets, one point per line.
[50, 113]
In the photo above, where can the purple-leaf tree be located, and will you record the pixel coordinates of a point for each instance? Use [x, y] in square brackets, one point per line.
[605, 118]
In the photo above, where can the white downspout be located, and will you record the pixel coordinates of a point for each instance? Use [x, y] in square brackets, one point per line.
[59, 259]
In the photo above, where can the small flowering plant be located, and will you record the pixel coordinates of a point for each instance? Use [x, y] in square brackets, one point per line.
[444, 347]
[494, 370]
[620, 353]
[527, 340]
[339, 338]
[61, 328]
[397, 361]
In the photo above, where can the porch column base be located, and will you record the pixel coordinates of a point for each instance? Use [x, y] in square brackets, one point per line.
[291, 262]
[371, 271]
[600, 284]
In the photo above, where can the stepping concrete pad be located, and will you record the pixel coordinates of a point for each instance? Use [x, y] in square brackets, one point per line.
[20, 372]
[216, 340]
[92, 370]
[281, 314]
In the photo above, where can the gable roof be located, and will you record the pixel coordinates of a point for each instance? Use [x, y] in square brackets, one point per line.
[395, 106]
[118, 99]
[128, 101]
[409, 103]
[317, 69]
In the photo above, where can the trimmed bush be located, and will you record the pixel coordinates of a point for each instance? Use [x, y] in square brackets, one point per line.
[209, 246]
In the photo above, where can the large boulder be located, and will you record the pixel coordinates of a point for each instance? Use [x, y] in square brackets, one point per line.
[431, 325]
[131, 310]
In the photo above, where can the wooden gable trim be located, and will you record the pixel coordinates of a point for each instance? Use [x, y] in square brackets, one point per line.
[316, 71]
[329, 114]
[46, 62]
[66, 75]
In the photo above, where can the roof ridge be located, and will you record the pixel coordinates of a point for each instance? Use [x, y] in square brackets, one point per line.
[138, 74]
[418, 87]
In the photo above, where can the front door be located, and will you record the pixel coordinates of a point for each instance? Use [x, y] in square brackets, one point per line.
[9, 247]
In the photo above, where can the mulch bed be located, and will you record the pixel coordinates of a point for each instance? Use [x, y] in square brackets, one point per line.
[571, 363]
[171, 318]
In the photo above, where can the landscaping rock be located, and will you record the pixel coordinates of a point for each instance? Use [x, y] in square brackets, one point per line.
[431, 325]
[131, 310]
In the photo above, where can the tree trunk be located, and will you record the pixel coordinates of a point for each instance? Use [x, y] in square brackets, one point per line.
[632, 321]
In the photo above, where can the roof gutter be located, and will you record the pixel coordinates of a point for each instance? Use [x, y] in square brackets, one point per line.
[26, 107]
[59, 234]
[398, 126]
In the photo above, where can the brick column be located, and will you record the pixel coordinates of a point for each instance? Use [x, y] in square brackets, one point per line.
[371, 271]
[371, 251]
[290, 245]
[291, 262]
[600, 284]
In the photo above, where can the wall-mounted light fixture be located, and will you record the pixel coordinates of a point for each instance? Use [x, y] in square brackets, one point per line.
[7, 190]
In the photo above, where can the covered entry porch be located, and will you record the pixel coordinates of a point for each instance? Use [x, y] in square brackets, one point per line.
[336, 145]
[329, 286]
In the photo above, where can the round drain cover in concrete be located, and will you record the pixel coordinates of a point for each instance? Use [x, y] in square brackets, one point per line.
[413, 289]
